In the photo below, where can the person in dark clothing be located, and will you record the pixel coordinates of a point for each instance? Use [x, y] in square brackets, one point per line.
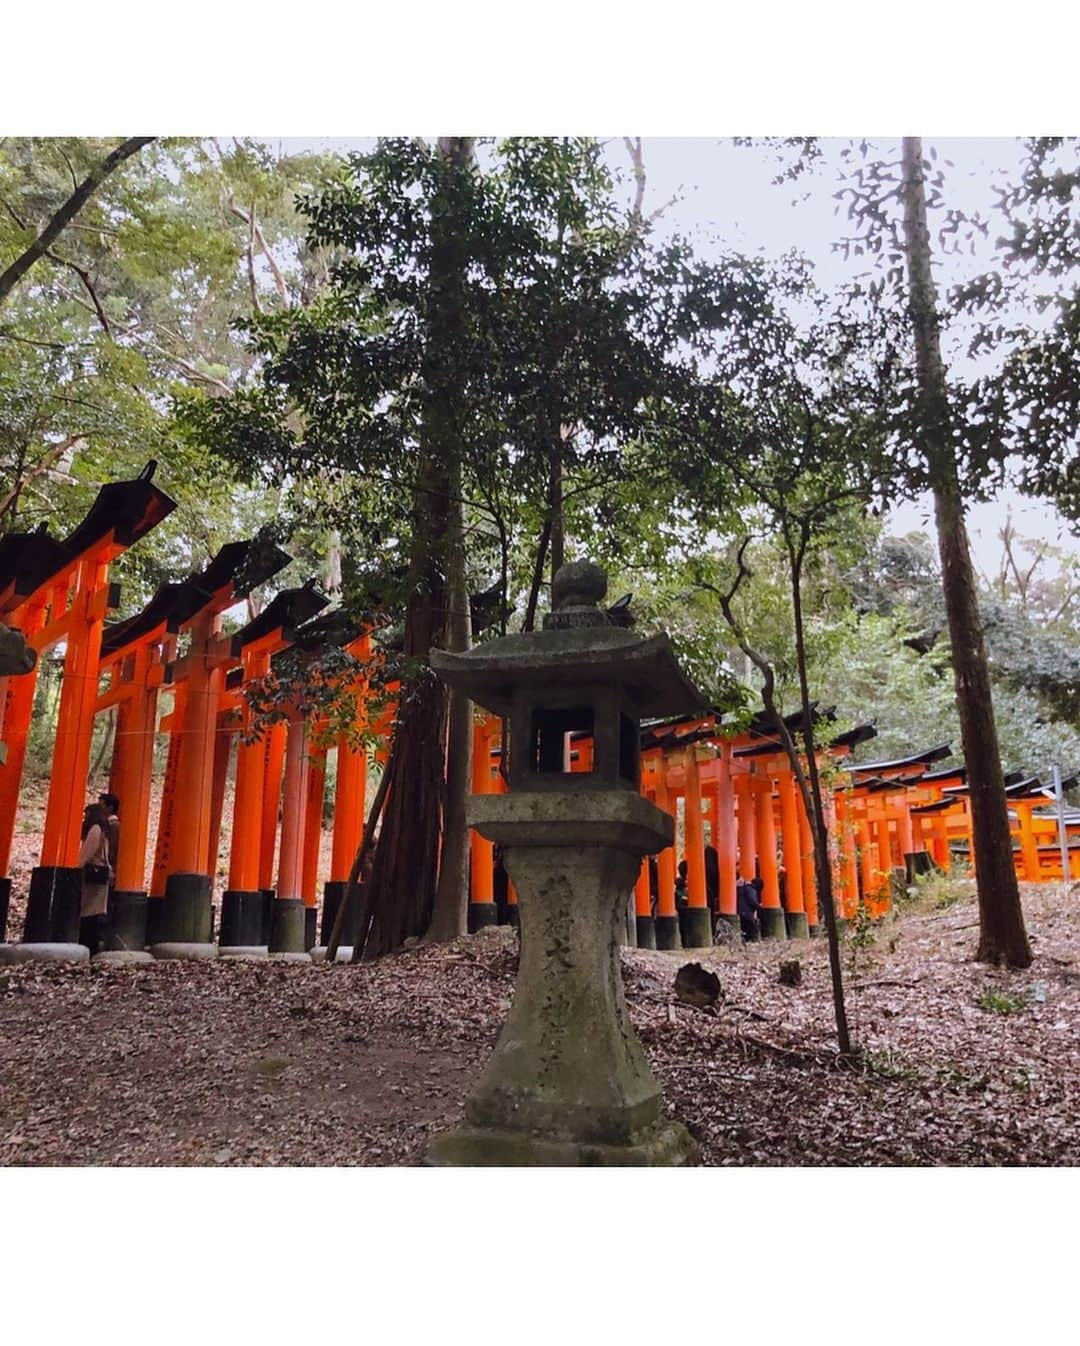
[712, 880]
[500, 886]
[111, 804]
[654, 886]
[748, 904]
[682, 898]
[97, 875]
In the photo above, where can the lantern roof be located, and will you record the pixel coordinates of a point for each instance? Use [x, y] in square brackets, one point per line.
[581, 645]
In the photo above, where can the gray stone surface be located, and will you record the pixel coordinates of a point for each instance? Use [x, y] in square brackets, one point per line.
[243, 953]
[568, 1082]
[45, 953]
[175, 949]
[344, 953]
[618, 819]
[121, 957]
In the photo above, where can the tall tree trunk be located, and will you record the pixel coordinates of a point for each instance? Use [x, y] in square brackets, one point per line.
[1002, 936]
[404, 872]
[10, 277]
[451, 911]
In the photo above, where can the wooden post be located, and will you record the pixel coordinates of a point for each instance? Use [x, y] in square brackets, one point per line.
[746, 826]
[75, 724]
[483, 910]
[667, 920]
[698, 931]
[18, 711]
[725, 842]
[287, 930]
[271, 801]
[795, 917]
[772, 914]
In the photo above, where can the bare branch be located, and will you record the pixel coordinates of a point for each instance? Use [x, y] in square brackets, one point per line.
[88, 285]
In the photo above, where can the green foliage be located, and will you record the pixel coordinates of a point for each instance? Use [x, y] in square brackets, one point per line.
[1000, 1002]
[134, 305]
[566, 339]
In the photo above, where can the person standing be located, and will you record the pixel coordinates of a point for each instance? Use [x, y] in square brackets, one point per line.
[111, 804]
[97, 874]
[748, 904]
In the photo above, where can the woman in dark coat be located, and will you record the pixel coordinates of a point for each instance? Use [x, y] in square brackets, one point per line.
[95, 863]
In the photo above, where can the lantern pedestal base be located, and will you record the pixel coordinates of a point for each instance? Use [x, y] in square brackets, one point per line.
[772, 923]
[568, 1082]
[795, 925]
[667, 933]
[668, 1145]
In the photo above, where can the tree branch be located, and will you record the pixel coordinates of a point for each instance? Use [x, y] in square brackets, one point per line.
[67, 212]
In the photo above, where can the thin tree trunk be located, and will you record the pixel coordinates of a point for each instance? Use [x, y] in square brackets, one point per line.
[529, 621]
[67, 212]
[1002, 936]
[815, 805]
[555, 507]
[449, 919]
[809, 784]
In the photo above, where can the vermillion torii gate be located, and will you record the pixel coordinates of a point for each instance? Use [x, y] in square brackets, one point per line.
[742, 789]
[60, 591]
[201, 727]
[138, 659]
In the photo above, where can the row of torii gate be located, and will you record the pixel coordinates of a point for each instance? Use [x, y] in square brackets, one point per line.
[739, 812]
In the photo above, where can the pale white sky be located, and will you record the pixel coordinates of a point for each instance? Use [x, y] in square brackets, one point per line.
[725, 197]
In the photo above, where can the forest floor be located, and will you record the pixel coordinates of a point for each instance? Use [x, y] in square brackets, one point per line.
[248, 1064]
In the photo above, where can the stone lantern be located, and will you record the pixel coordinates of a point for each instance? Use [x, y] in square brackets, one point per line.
[568, 1082]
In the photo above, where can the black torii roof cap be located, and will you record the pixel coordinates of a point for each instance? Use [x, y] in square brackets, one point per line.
[177, 602]
[27, 560]
[127, 509]
[287, 610]
[916, 759]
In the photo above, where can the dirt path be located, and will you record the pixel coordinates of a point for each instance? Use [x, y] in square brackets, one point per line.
[260, 1065]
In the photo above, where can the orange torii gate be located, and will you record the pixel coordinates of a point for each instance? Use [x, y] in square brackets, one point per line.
[741, 789]
[295, 906]
[138, 658]
[180, 908]
[59, 591]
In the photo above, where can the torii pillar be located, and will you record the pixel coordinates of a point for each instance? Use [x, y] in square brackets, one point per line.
[795, 915]
[483, 910]
[667, 919]
[187, 914]
[772, 913]
[725, 839]
[287, 924]
[698, 933]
